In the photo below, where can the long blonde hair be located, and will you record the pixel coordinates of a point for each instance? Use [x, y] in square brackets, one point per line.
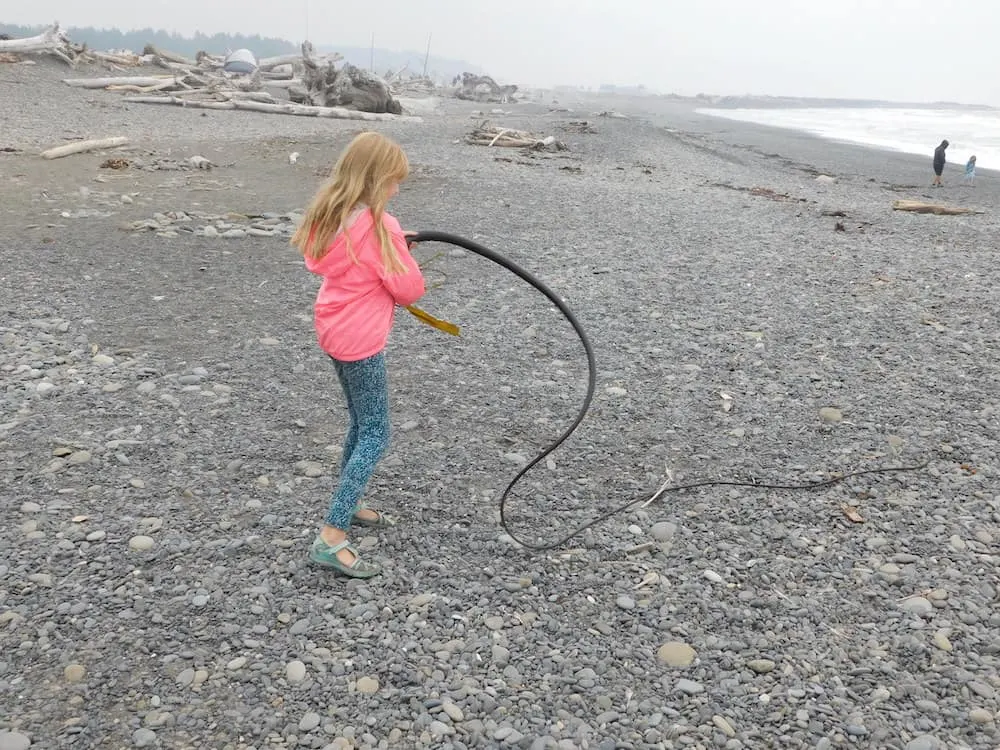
[365, 172]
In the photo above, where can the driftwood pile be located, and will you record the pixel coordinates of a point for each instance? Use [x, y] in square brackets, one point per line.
[482, 89]
[313, 84]
[485, 134]
[410, 85]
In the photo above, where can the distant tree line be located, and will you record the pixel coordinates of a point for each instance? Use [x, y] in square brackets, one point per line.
[105, 39]
[384, 60]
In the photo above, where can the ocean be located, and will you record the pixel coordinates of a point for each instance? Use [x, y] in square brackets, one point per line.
[913, 131]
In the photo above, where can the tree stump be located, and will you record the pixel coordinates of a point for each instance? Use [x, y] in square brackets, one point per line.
[482, 89]
[324, 85]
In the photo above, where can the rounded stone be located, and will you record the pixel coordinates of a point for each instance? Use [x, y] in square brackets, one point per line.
[676, 654]
[723, 725]
[141, 543]
[829, 414]
[367, 686]
[74, 672]
[761, 666]
[917, 605]
[143, 737]
[309, 722]
[295, 671]
[663, 531]
[453, 711]
[13, 740]
[980, 716]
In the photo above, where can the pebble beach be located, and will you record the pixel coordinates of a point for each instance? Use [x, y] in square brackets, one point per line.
[170, 433]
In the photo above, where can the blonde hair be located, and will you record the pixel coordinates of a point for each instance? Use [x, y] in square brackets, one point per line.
[366, 170]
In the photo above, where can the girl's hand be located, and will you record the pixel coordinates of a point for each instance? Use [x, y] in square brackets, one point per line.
[408, 235]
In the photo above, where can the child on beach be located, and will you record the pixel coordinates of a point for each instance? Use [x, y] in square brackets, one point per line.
[939, 163]
[970, 170]
[359, 249]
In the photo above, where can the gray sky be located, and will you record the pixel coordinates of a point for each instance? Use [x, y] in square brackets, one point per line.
[921, 50]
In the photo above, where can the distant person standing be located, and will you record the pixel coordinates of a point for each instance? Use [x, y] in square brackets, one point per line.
[939, 163]
[970, 170]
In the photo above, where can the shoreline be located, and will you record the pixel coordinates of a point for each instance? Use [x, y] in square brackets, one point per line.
[828, 153]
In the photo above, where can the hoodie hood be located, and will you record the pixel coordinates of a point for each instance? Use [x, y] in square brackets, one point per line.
[337, 261]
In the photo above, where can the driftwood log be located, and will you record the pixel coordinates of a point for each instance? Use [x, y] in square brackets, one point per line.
[921, 207]
[53, 38]
[52, 41]
[268, 64]
[482, 89]
[278, 108]
[103, 83]
[81, 147]
[326, 85]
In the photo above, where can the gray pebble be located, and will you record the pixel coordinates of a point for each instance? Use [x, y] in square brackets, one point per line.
[13, 740]
[689, 686]
[309, 722]
[982, 690]
[143, 737]
[663, 531]
[917, 605]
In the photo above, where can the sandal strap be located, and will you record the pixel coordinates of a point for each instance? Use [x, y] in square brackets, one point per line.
[335, 548]
[357, 562]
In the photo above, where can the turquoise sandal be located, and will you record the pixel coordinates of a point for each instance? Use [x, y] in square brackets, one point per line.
[381, 520]
[325, 555]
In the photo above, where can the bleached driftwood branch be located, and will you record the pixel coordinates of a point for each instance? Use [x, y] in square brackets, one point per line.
[83, 146]
[151, 51]
[302, 110]
[931, 208]
[488, 135]
[103, 83]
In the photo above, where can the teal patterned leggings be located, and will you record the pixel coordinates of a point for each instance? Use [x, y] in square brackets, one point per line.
[367, 392]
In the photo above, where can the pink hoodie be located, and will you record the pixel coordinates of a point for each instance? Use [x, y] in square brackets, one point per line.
[355, 305]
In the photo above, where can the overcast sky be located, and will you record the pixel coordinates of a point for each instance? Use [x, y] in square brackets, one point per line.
[920, 50]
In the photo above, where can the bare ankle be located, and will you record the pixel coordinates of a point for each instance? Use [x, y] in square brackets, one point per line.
[332, 535]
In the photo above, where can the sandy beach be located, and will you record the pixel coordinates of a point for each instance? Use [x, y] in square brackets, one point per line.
[170, 432]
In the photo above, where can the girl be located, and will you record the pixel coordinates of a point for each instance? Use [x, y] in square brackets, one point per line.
[349, 239]
[970, 170]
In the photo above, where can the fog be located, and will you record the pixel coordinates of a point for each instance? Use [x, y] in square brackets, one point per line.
[888, 49]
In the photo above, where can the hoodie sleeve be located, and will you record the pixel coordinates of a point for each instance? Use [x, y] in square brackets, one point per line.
[406, 288]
